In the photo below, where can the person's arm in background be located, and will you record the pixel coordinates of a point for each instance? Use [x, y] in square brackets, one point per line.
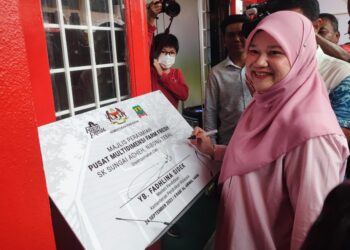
[312, 170]
[153, 9]
[340, 101]
[211, 106]
[332, 49]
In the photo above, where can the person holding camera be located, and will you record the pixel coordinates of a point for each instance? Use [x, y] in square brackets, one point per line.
[281, 161]
[153, 9]
[164, 48]
[163, 51]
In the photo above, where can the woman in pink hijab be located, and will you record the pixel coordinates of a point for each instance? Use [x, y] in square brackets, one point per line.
[287, 151]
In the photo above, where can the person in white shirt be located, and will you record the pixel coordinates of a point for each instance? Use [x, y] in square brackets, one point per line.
[226, 94]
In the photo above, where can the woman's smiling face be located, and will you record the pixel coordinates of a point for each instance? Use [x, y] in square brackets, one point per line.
[266, 62]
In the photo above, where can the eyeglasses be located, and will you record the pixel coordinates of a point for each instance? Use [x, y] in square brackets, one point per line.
[231, 35]
[170, 53]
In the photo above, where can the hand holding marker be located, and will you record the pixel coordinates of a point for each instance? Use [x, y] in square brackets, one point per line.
[209, 133]
[204, 150]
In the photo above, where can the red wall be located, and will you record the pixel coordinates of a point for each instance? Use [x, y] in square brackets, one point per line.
[24, 207]
[27, 102]
[139, 66]
[38, 64]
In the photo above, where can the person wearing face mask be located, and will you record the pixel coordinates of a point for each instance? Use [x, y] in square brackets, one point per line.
[163, 77]
[163, 50]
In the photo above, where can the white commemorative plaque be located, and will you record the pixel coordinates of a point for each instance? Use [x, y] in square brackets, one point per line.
[121, 174]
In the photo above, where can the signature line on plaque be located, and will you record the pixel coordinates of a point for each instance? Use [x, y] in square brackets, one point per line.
[133, 197]
[148, 175]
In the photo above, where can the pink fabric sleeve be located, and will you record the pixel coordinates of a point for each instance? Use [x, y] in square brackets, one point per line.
[313, 169]
[175, 83]
[219, 152]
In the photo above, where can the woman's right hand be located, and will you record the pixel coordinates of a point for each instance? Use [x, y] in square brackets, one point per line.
[202, 142]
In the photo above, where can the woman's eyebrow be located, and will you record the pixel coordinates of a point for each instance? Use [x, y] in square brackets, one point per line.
[274, 47]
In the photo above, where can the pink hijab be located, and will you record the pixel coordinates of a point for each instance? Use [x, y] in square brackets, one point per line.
[292, 111]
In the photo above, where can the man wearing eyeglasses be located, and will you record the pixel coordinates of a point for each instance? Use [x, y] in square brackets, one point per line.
[226, 94]
[329, 30]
